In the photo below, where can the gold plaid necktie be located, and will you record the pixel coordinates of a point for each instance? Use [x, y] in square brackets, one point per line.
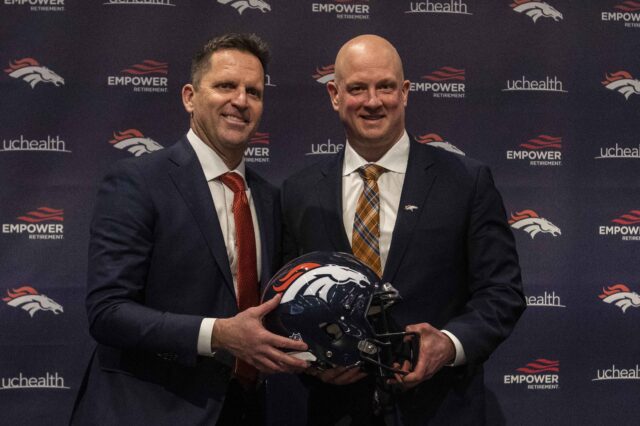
[366, 224]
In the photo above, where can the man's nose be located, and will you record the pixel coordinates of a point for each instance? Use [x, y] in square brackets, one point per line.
[373, 100]
[240, 98]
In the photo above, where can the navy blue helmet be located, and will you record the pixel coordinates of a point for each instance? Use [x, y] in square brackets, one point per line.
[338, 307]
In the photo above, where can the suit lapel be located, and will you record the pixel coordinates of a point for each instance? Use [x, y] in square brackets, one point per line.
[418, 181]
[189, 178]
[264, 210]
[330, 199]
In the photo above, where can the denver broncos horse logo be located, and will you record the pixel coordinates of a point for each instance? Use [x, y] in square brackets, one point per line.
[325, 74]
[530, 222]
[242, 5]
[312, 279]
[621, 296]
[536, 9]
[134, 141]
[434, 139]
[30, 300]
[622, 82]
[32, 72]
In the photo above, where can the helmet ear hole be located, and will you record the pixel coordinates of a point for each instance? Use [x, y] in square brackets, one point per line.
[333, 330]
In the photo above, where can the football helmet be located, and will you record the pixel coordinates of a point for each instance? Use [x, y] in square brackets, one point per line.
[338, 307]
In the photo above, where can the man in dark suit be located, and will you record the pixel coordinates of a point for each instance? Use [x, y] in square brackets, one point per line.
[439, 235]
[178, 247]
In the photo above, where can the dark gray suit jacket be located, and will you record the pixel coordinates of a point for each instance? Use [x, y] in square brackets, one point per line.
[453, 260]
[157, 266]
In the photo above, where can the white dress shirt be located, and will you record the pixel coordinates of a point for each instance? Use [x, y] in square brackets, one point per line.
[222, 200]
[390, 187]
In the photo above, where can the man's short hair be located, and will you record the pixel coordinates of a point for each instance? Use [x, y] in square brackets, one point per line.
[249, 43]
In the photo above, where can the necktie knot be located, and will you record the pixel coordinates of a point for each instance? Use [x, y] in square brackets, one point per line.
[233, 181]
[371, 172]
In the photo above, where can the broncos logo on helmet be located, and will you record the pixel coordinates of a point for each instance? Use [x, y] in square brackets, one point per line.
[536, 9]
[134, 141]
[32, 72]
[242, 5]
[622, 82]
[531, 223]
[313, 279]
[621, 296]
[30, 300]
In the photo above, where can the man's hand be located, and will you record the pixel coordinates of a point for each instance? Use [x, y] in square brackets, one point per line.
[338, 375]
[436, 351]
[245, 337]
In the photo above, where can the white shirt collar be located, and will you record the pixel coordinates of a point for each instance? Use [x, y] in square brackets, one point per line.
[211, 163]
[394, 160]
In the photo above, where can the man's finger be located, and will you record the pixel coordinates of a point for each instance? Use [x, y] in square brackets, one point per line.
[268, 306]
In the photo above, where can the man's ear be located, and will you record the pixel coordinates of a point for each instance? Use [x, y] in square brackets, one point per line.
[406, 85]
[187, 97]
[332, 88]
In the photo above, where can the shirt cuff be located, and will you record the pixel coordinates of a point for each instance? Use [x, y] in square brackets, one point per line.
[460, 358]
[204, 337]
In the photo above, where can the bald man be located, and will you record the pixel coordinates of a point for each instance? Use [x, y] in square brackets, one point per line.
[442, 240]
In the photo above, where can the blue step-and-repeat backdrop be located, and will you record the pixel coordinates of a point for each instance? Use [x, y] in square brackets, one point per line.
[546, 93]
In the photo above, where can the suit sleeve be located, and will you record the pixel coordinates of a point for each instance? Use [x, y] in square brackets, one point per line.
[496, 300]
[120, 250]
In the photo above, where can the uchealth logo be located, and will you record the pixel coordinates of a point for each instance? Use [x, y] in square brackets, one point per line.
[22, 381]
[621, 296]
[445, 82]
[542, 150]
[28, 299]
[623, 83]
[540, 374]
[617, 373]
[618, 152]
[325, 148]
[258, 149]
[148, 76]
[242, 5]
[38, 5]
[536, 9]
[530, 222]
[135, 142]
[455, 7]
[40, 224]
[626, 12]
[626, 226]
[525, 84]
[343, 9]
[435, 140]
[48, 144]
[324, 74]
[545, 300]
[30, 70]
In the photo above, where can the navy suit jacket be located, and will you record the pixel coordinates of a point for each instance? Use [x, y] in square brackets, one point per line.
[157, 266]
[453, 260]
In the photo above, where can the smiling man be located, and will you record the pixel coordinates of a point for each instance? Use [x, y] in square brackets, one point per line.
[180, 243]
[428, 221]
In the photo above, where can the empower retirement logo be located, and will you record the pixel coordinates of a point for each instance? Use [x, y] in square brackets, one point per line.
[148, 76]
[625, 226]
[539, 374]
[541, 150]
[44, 223]
[626, 13]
